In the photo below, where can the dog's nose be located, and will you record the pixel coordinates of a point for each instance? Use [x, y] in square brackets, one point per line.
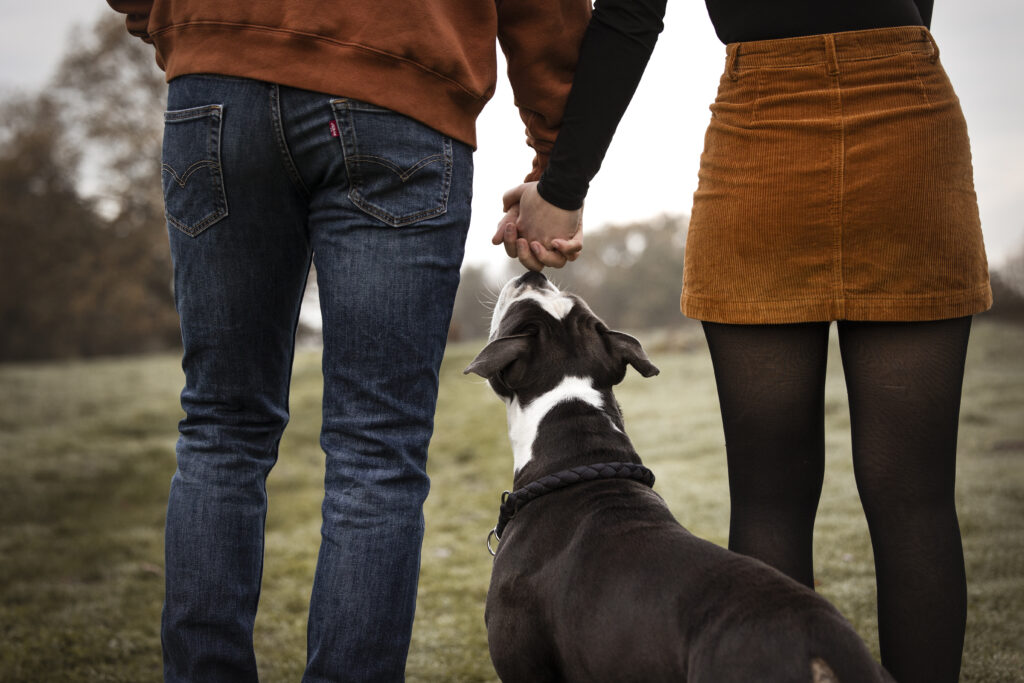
[532, 279]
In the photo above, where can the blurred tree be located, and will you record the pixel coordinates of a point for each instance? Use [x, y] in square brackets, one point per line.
[44, 228]
[631, 275]
[113, 96]
[471, 318]
[1008, 289]
[84, 261]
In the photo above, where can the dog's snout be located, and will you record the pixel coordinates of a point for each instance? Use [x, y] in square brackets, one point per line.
[532, 280]
[530, 285]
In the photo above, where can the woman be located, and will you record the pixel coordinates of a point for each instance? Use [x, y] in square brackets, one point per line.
[835, 184]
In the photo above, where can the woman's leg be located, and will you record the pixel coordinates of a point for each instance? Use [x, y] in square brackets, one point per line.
[771, 387]
[904, 381]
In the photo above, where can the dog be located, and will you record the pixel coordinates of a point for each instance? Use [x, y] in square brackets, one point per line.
[593, 578]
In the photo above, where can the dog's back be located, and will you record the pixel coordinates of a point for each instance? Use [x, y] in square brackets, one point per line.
[762, 626]
[612, 588]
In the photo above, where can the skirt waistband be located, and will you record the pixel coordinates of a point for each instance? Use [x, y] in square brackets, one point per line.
[830, 48]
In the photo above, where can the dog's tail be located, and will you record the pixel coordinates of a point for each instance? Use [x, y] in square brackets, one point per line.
[816, 645]
[846, 659]
[821, 672]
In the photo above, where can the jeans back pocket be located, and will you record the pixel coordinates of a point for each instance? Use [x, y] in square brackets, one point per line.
[193, 181]
[399, 170]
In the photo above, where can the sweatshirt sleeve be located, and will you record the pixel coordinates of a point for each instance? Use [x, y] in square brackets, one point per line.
[541, 42]
[137, 20]
[615, 51]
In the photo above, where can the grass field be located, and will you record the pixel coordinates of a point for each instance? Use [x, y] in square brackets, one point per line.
[86, 451]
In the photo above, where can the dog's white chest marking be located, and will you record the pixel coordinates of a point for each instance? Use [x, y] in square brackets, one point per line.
[524, 421]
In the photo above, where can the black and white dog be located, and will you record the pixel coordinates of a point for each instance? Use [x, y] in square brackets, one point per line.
[594, 580]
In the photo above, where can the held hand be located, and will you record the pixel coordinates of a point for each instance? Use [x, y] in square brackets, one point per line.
[507, 232]
[536, 232]
[540, 221]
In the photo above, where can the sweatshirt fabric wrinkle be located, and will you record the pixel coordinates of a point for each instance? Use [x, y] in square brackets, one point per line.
[301, 34]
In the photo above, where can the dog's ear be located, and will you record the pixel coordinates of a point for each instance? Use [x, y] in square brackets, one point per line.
[499, 354]
[628, 350]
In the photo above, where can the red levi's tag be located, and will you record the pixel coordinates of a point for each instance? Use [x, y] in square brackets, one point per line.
[334, 129]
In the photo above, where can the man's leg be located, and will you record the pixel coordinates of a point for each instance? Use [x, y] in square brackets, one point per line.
[386, 294]
[241, 255]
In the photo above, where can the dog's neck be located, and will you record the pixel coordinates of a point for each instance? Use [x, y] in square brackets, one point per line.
[573, 424]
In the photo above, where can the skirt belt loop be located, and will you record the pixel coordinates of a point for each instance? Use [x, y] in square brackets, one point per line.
[931, 41]
[730, 61]
[830, 55]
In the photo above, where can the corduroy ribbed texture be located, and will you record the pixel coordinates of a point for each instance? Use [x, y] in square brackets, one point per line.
[836, 183]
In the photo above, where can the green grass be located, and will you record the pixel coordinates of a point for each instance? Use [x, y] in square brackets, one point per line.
[86, 451]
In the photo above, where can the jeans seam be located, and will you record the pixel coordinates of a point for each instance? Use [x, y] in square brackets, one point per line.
[404, 174]
[282, 142]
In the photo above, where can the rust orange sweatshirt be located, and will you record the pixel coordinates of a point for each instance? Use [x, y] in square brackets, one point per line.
[432, 60]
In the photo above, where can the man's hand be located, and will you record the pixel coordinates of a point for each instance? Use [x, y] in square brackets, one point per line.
[536, 232]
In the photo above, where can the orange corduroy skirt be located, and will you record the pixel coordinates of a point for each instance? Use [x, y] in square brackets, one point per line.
[835, 183]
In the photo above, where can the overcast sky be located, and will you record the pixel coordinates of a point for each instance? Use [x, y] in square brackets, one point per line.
[651, 167]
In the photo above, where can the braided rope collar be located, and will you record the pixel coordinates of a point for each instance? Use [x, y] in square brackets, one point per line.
[513, 502]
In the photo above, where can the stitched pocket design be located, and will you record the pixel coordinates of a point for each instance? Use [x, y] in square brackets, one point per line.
[193, 182]
[400, 170]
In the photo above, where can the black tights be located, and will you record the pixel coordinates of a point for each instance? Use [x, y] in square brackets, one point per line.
[904, 382]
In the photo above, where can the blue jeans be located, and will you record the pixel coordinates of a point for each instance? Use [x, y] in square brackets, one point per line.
[260, 180]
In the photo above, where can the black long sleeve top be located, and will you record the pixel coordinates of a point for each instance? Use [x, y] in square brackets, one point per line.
[621, 37]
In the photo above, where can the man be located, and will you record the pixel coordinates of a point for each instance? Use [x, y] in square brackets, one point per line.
[342, 134]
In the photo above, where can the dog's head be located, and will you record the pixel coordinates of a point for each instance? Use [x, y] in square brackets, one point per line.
[540, 336]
